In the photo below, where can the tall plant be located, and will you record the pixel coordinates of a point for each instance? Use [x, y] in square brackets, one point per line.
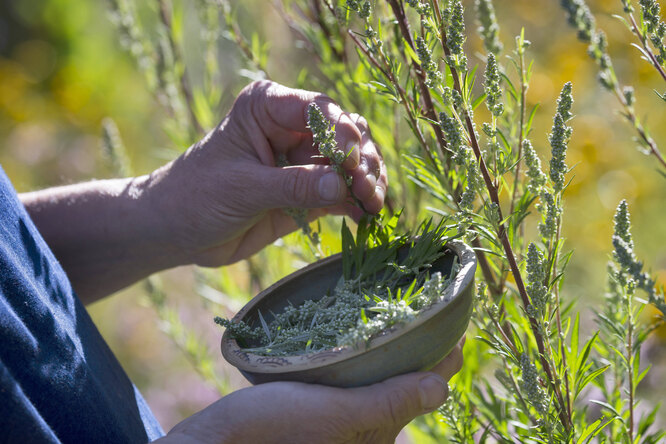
[457, 139]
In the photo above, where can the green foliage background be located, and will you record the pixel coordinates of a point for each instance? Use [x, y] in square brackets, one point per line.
[63, 70]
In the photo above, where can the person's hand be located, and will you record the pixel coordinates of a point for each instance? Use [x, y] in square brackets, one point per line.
[224, 199]
[293, 412]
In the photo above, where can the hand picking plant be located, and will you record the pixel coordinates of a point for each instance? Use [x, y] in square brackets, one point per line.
[376, 291]
[459, 149]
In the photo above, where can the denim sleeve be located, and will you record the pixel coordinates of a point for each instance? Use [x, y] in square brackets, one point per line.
[59, 381]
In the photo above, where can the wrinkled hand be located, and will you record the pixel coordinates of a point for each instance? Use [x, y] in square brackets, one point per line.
[223, 199]
[293, 412]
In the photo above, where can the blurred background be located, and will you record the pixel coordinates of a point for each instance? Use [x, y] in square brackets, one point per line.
[64, 69]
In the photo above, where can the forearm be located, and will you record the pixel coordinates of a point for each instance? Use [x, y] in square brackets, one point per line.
[106, 234]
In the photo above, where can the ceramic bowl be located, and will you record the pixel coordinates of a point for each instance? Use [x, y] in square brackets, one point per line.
[415, 346]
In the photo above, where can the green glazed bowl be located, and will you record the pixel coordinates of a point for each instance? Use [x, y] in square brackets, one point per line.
[415, 346]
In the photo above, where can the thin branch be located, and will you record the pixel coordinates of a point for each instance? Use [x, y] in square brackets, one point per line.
[430, 112]
[165, 17]
[646, 47]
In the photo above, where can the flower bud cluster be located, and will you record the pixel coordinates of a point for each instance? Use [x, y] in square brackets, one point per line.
[536, 275]
[629, 97]
[363, 8]
[473, 184]
[454, 137]
[455, 36]
[650, 10]
[238, 329]
[492, 87]
[489, 29]
[530, 385]
[656, 28]
[433, 75]
[626, 6]
[534, 172]
[433, 289]
[559, 138]
[580, 17]
[551, 213]
[631, 269]
[389, 313]
[421, 7]
[324, 136]
[623, 223]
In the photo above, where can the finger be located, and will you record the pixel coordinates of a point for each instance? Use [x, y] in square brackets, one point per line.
[300, 186]
[281, 109]
[360, 123]
[398, 400]
[369, 179]
[452, 363]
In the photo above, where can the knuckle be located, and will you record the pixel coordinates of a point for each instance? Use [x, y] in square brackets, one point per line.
[323, 99]
[254, 87]
[295, 187]
[397, 407]
[362, 123]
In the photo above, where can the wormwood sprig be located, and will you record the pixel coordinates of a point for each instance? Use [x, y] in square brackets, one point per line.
[455, 37]
[492, 87]
[434, 76]
[537, 178]
[559, 138]
[536, 276]
[630, 268]
[624, 335]
[581, 18]
[323, 136]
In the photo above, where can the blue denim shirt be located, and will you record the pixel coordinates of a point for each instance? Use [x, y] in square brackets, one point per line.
[59, 381]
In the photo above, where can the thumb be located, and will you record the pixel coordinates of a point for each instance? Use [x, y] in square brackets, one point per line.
[398, 400]
[302, 186]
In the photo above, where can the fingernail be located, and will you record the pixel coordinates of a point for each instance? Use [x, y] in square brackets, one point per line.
[434, 391]
[329, 187]
[372, 180]
[351, 156]
[379, 191]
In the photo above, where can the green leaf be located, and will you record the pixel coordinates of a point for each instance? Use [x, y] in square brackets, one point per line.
[264, 325]
[589, 378]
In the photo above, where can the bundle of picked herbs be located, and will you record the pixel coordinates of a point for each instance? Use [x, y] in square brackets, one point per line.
[385, 282]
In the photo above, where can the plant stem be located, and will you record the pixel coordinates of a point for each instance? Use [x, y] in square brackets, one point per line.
[646, 47]
[558, 318]
[630, 115]
[237, 36]
[430, 113]
[521, 128]
[508, 250]
[388, 74]
[630, 365]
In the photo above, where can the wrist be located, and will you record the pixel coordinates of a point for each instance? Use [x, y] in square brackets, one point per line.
[161, 211]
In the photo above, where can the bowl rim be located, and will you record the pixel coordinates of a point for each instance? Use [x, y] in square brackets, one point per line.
[255, 363]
